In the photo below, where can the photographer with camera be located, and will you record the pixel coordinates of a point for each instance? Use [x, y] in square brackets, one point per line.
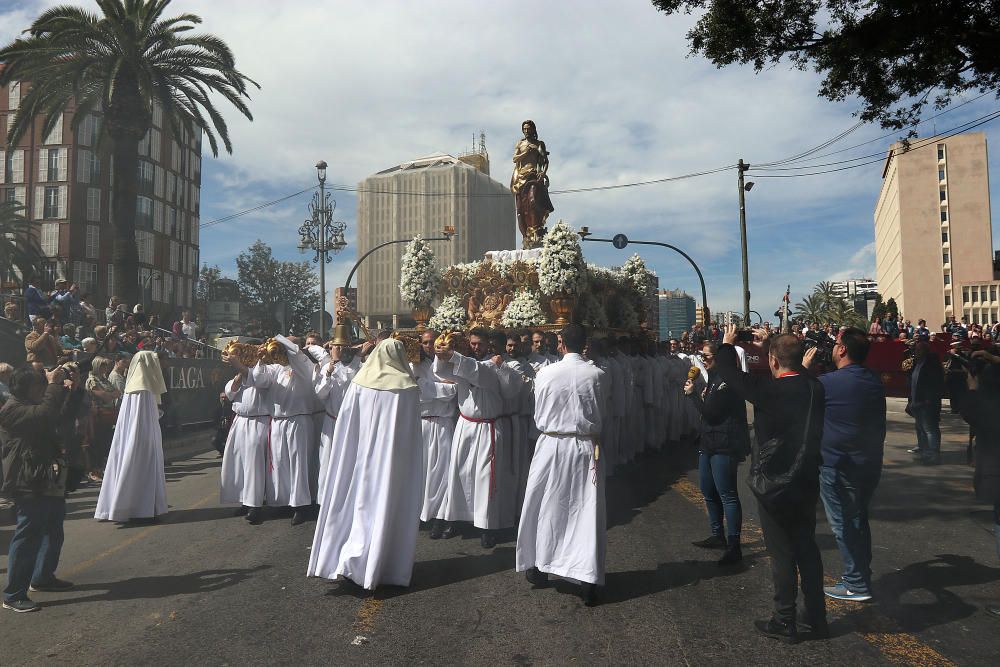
[35, 478]
[854, 426]
[979, 409]
[784, 476]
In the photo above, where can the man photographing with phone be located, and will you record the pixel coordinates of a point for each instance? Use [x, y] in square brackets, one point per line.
[784, 476]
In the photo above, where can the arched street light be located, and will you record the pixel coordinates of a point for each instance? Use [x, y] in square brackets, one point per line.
[320, 233]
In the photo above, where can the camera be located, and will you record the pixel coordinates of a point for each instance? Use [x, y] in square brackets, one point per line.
[823, 344]
[744, 336]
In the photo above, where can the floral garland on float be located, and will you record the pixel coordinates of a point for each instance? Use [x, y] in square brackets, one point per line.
[562, 273]
[419, 279]
[450, 315]
[524, 310]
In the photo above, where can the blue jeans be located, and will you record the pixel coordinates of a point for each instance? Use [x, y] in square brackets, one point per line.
[846, 496]
[36, 545]
[927, 421]
[717, 477]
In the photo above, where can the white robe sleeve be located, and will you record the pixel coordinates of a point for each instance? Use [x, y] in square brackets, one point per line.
[324, 383]
[511, 382]
[231, 390]
[476, 373]
[260, 376]
[300, 364]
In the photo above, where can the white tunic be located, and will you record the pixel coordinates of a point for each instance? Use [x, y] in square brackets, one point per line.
[562, 529]
[478, 455]
[244, 462]
[134, 486]
[368, 519]
[438, 411]
[522, 409]
[330, 390]
[293, 401]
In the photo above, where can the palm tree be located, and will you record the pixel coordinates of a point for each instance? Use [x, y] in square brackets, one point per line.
[812, 308]
[122, 62]
[20, 254]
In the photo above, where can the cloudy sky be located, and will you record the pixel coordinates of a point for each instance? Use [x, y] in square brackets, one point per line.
[616, 98]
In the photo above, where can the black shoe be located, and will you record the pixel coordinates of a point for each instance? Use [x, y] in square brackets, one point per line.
[916, 451]
[241, 510]
[21, 606]
[932, 460]
[776, 630]
[589, 594]
[713, 542]
[813, 631]
[254, 516]
[488, 539]
[536, 577]
[51, 585]
[299, 517]
[437, 529]
[450, 530]
[733, 555]
[993, 611]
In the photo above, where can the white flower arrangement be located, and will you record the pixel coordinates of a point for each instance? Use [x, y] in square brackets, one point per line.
[561, 270]
[450, 315]
[419, 277]
[636, 276]
[623, 316]
[591, 311]
[525, 310]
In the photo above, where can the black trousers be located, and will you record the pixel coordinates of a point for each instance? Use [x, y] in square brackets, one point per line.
[790, 537]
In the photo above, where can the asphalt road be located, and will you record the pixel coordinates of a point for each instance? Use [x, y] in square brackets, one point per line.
[206, 588]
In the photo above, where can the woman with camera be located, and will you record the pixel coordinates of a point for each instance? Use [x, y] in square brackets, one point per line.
[34, 476]
[725, 441]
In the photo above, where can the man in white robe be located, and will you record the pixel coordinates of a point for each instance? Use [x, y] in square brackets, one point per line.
[537, 357]
[522, 408]
[478, 456]
[623, 402]
[562, 529]
[438, 411]
[330, 382]
[244, 460]
[292, 428]
[369, 511]
[134, 485]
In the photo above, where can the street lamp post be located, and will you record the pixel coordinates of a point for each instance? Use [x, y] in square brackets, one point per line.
[620, 241]
[320, 233]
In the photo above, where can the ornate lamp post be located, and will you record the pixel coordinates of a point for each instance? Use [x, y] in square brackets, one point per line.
[320, 233]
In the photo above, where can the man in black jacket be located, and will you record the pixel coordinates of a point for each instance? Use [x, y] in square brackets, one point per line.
[782, 411]
[924, 404]
[35, 478]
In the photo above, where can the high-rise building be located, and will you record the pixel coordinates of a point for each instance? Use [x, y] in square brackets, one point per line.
[677, 313]
[854, 288]
[933, 235]
[422, 197]
[64, 181]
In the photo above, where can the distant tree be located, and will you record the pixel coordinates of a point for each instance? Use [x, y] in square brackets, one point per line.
[121, 62]
[812, 308]
[266, 282]
[879, 309]
[897, 56]
[891, 308]
[207, 278]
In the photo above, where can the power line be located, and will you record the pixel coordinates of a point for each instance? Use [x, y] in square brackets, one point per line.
[252, 210]
[982, 121]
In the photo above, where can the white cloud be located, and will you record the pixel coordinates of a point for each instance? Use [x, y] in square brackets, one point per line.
[617, 100]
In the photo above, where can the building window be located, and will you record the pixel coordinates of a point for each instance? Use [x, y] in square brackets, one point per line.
[85, 275]
[157, 114]
[53, 165]
[50, 199]
[144, 212]
[965, 295]
[55, 135]
[111, 280]
[947, 279]
[158, 216]
[175, 251]
[93, 242]
[943, 194]
[157, 282]
[144, 245]
[947, 299]
[14, 95]
[993, 293]
[975, 294]
[944, 236]
[944, 216]
[15, 195]
[940, 151]
[86, 131]
[50, 239]
[941, 174]
[145, 175]
[945, 258]
[12, 169]
[93, 204]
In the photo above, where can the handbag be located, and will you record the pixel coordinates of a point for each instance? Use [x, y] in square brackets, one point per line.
[24, 470]
[771, 486]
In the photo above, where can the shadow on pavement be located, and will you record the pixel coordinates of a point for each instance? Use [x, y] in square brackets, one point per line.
[918, 596]
[144, 588]
[432, 574]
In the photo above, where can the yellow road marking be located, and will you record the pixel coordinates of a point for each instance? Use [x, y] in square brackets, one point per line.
[364, 622]
[142, 534]
[898, 647]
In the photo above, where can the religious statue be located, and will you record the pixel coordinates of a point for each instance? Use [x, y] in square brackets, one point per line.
[530, 185]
